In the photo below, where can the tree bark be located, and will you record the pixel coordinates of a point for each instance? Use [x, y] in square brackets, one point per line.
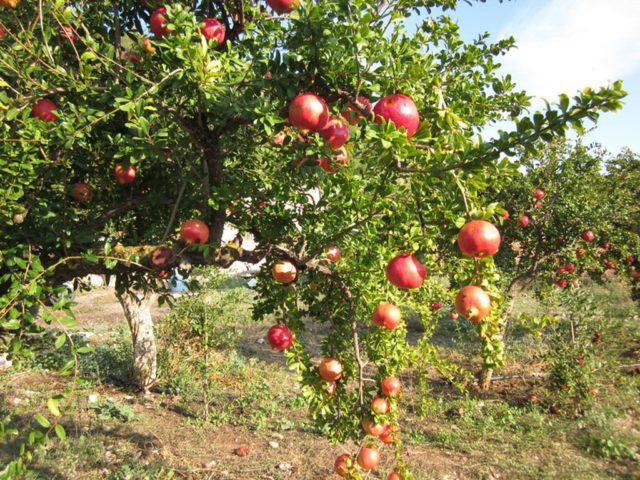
[138, 315]
[485, 378]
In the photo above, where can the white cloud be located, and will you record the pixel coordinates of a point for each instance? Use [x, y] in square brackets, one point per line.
[566, 45]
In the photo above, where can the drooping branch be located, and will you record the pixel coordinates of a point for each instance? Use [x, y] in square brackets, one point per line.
[222, 257]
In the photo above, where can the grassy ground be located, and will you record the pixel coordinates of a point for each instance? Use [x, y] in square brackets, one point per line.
[252, 401]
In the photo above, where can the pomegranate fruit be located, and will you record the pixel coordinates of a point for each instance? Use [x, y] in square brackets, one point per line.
[280, 337]
[372, 428]
[194, 231]
[44, 110]
[125, 175]
[479, 239]
[588, 236]
[406, 271]
[391, 386]
[380, 405]
[386, 315]
[283, 6]
[473, 303]
[333, 253]
[308, 112]
[353, 115]
[336, 132]
[82, 192]
[157, 21]
[213, 30]
[284, 271]
[400, 110]
[368, 457]
[330, 369]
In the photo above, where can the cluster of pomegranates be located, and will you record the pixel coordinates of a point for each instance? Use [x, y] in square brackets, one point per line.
[309, 113]
[211, 29]
[82, 192]
[478, 239]
[569, 268]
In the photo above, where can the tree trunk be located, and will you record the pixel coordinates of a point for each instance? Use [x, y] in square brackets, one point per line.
[138, 315]
[485, 378]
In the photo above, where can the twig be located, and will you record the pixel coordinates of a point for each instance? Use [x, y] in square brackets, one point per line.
[354, 332]
[174, 212]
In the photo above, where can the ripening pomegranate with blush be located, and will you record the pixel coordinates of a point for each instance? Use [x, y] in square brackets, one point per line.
[194, 231]
[284, 271]
[473, 303]
[479, 238]
[308, 112]
[386, 315]
[400, 110]
[406, 271]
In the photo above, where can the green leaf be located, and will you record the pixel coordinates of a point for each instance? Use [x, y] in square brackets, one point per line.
[42, 420]
[60, 341]
[60, 432]
[52, 405]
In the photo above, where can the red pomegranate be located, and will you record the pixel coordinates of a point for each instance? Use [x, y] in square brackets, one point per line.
[213, 30]
[406, 271]
[280, 337]
[157, 21]
[368, 457]
[524, 221]
[284, 271]
[380, 405]
[479, 238]
[372, 428]
[386, 315]
[538, 193]
[125, 175]
[389, 435]
[391, 386]
[473, 303]
[82, 192]
[308, 112]
[343, 464]
[330, 388]
[400, 110]
[283, 6]
[353, 115]
[336, 132]
[44, 110]
[333, 253]
[330, 369]
[340, 159]
[194, 231]
[68, 33]
[588, 236]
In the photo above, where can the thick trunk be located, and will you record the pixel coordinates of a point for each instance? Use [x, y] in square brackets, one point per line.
[138, 315]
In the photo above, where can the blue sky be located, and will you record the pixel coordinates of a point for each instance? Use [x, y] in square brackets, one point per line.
[566, 45]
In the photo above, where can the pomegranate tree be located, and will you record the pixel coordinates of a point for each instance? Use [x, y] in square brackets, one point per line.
[392, 188]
